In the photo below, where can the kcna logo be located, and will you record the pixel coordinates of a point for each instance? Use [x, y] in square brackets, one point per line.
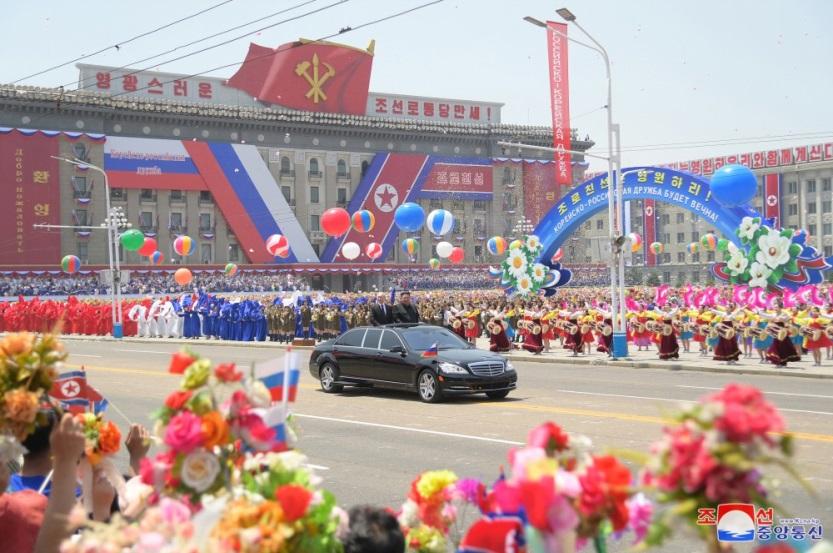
[742, 522]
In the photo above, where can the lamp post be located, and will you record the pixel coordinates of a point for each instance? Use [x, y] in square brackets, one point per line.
[615, 203]
[112, 223]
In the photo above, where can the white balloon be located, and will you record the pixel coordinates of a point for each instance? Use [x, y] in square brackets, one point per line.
[439, 222]
[444, 249]
[350, 250]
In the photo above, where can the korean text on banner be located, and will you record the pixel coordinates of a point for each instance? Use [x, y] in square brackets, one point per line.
[560, 100]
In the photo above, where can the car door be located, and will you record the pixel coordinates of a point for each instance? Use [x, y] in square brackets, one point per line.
[392, 366]
[363, 364]
[348, 351]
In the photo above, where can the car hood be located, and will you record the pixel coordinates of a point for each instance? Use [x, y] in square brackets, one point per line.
[466, 356]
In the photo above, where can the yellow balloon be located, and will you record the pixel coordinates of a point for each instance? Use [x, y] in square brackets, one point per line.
[516, 244]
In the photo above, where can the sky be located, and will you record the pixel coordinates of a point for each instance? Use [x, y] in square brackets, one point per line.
[691, 79]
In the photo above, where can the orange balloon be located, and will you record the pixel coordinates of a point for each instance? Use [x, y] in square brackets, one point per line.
[183, 276]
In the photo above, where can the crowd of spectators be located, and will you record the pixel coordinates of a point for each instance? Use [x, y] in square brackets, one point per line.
[448, 279]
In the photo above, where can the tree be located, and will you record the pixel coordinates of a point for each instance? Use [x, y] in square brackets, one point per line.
[653, 280]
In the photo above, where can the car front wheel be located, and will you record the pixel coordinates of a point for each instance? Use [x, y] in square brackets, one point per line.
[328, 375]
[497, 394]
[429, 388]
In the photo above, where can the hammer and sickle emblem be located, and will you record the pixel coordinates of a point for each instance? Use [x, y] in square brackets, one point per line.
[316, 80]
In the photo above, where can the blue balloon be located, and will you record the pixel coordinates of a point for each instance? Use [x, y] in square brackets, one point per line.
[409, 217]
[734, 185]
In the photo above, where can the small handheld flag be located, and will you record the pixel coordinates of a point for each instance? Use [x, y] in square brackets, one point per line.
[277, 375]
[431, 352]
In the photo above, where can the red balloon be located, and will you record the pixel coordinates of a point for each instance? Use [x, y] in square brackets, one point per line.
[335, 221]
[148, 247]
[457, 255]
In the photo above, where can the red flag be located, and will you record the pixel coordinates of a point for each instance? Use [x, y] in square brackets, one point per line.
[308, 75]
[560, 100]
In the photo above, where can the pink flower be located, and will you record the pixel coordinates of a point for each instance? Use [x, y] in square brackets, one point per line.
[184, 432]
[173, 511]
[151, 542]
[520, 458]
[153, 471]
[746, 414]
[641, 510]
[548, 436]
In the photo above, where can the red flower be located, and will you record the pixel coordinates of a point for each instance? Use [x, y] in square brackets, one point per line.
[177, 400]
[746, 414]
[604, 491]
[227, 372]
[180, 361]
[548, 436]
[538, 498]
[294, 501]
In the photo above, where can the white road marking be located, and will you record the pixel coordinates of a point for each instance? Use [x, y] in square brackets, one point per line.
[686, 400]
[317, 467]
[408, 429]
[86, 355]
[146, 351]
[767, 393]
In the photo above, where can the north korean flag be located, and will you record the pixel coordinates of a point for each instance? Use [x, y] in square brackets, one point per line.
[72, 391]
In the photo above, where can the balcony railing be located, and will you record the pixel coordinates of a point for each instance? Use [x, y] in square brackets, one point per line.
[315, 174]
[288, 173]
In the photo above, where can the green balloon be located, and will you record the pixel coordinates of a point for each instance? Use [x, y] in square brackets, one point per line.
[132, 240]
[722, 245]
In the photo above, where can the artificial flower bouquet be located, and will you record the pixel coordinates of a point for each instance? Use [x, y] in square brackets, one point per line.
[102, 437]
[28, 366]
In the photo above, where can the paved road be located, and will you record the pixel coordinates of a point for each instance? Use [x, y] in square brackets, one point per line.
[373, 443]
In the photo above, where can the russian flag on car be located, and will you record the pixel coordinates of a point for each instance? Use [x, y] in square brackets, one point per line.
[278, 375]
[431, 352]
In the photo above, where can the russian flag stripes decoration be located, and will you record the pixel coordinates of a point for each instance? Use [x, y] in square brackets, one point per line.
[279, 375]
[431, 352]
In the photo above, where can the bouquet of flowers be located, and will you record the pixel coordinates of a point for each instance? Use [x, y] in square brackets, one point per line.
[102, 437]
[427, 514]
[27, 370]
[714, 454]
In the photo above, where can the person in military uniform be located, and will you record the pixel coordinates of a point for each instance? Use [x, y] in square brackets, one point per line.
[273, 315]
[306, 319]
[288, 324]
[330, 323]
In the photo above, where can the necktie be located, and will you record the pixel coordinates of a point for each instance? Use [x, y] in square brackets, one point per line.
[384, 313]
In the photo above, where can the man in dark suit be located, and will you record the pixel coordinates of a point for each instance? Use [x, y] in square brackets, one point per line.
[380, 312]
[404, 311]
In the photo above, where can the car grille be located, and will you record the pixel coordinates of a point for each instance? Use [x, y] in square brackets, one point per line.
[487, 368]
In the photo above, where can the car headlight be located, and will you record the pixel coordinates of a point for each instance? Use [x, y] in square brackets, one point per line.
[509, 367]
[451, 368]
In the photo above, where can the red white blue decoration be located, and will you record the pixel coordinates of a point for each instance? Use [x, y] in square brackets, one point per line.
[277, 245]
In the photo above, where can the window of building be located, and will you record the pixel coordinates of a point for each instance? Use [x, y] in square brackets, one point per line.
[825, 185]
[666, 219]
[314, 223]
[435, 204]
[666, 258]
[118, 194]
[587, 225]
[680, 218]
[175, 221]
[695, 276]
[480, 205]
[287, 194]
[827, 229]
[478, 250]
[693, 217]
[457, 205]
[205, 253]
[313, 194]
[205, 221]
[695, 235]
[666, 277]
[792, 187]
[83, 251]
[811, 207]
[313, 167]
[81, 217]
[205, 196]
[365, 165]
[507, 175]
[80, 151]
[177, 195]
[680, 237]
[666, 238]
[828, 251]
[79, 187]
[233, 252]
[341, 196]
[811, 186]
[637, 259]
[286, 168]
[710, 257]
[146, 194]
[146, 219]
[680, 257]
[695, 258]
[600, 224]
[792, 209]
[812, 228]
[341, 169]
[316, 247]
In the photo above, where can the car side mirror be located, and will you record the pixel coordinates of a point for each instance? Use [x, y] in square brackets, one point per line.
[397, 349]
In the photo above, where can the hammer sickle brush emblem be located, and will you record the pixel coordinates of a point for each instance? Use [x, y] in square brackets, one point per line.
[316, 80]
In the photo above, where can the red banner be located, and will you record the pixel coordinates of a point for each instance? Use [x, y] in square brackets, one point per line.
[560, 100]
[458, 177]
[30, 195]
[539, 188]
[311, 76]
[649, 229]
[772, 198]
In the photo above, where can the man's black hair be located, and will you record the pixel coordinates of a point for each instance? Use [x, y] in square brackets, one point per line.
[405, 293]
[38, 441]
[373, 530]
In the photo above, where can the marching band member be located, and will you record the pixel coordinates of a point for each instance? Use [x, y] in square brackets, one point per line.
[761, 338]
[727, 342]
[702, 319]
[605, 332]
[532, 340]
[816, 338]
[498, 341]
[686, 329]
[472, 330]
[668, 346]
[641, 335]
[782, 350]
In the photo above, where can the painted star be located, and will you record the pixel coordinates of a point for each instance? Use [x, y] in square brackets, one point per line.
[70, 389]
[386, 196]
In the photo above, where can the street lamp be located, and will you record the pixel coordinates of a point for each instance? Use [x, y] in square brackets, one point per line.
[615, 201]
[115, 220]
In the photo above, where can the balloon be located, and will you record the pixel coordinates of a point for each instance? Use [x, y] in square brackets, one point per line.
[457, 255]
[733, 185]
[156, 258]
[692, 248]
[132, 239]
[183, 276]
[709, 241]
[722, 245]
[70, 264]
[410, 246]
[373, 250]
[409, 217]
[350, 251]
[656, 248]
[516, 244]
[556, 257]
[364, 220]
[278, 245]
[148, 247]
[496, 245]
[183, 245]
[434, 263]
[439, 222]
[444, 249]
[230, 270]
[635, 238]
[335, 221]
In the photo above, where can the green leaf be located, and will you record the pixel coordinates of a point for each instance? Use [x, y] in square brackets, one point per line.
[787, 233]
[792, 266]
[795, 250]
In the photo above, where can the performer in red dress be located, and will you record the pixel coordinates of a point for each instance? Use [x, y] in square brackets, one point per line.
[498, 341]
[727, 345]
[782, 350]
[532, 341]
[668, 346]
[813, 344]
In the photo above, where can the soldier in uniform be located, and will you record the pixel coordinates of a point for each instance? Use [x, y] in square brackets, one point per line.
[273, 313]
[306, 319]
[288, 324]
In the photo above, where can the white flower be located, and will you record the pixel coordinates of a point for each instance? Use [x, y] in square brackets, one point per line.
[524, 285]
[539, 272]
[199, 470]
[732, 249]
[737, 263]
[759, 273]
[747, 228]
[774, 250]
[410, 514]
[532, 242]
[517, 263]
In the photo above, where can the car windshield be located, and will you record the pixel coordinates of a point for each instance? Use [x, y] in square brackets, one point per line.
[422, 338]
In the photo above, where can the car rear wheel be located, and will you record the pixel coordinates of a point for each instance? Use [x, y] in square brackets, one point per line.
[328, 375]
[429, 388]
[497, 394]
